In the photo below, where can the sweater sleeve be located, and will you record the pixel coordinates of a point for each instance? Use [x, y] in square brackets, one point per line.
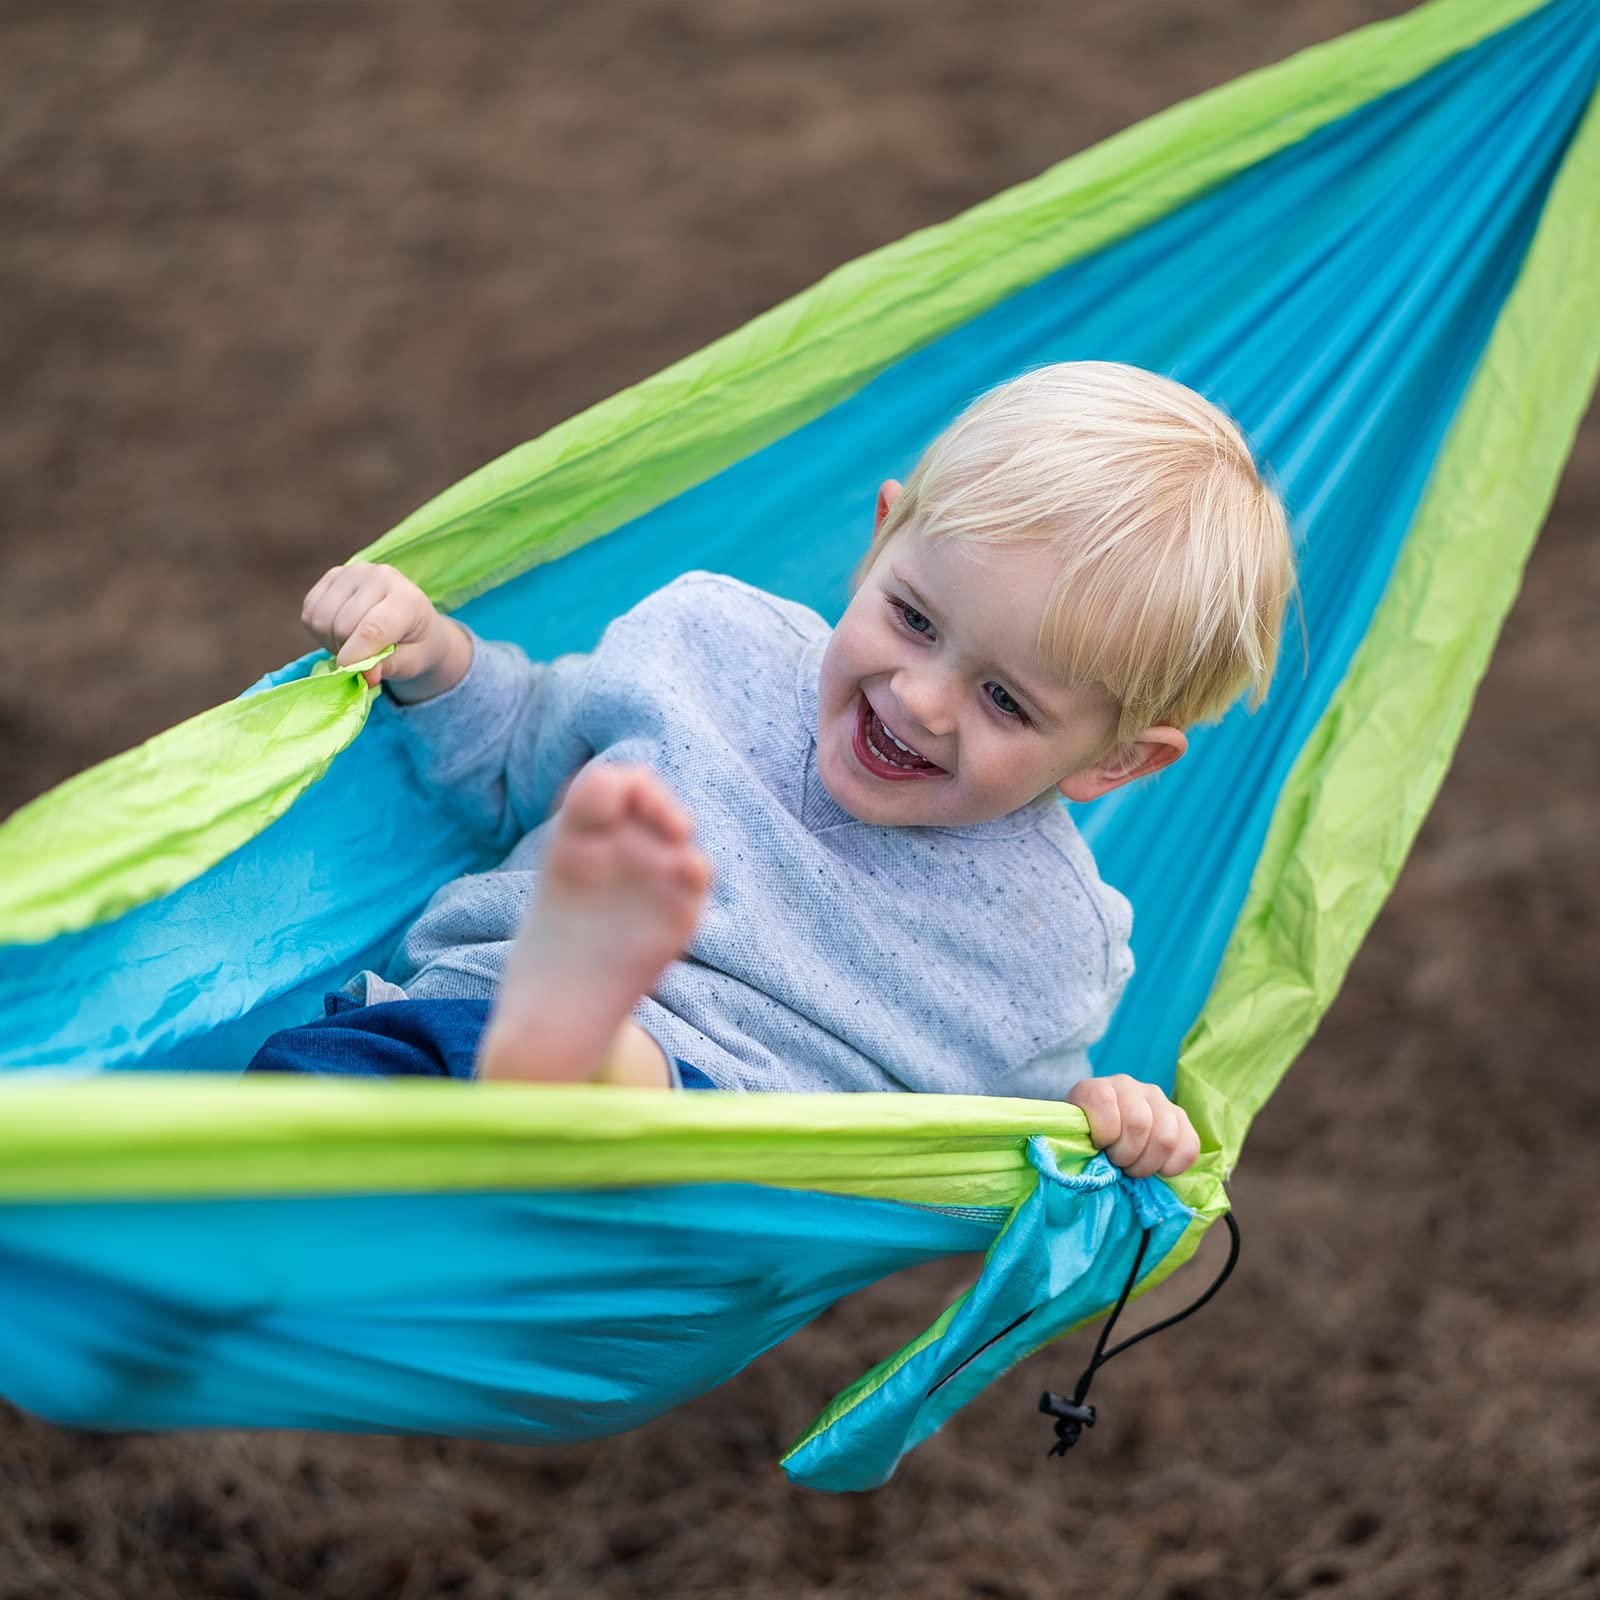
[1050, 1074]
[500, 744]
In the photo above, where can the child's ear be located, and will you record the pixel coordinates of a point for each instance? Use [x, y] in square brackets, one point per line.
[1152, 750]
[888, 493]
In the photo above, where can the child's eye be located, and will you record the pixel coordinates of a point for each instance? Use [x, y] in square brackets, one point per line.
[1003, 701]
[913, 618]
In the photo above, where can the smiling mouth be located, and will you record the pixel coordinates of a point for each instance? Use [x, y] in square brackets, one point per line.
[882, 754]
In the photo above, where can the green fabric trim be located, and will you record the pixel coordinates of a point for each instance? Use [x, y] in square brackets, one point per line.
[142, 824]
[635, 451]
[1364, 781]
[149, 1137]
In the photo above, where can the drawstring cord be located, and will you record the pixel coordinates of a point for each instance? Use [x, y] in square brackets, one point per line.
[1073, 1416]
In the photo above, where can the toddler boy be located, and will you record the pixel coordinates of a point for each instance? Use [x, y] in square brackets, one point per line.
[788, 858]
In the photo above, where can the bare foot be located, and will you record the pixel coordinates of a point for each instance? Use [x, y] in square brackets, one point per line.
[618, 898]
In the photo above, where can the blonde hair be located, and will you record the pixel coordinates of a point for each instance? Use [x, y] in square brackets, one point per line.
[1175, 558]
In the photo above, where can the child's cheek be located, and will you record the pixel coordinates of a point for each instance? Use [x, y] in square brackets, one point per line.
[1006, 777]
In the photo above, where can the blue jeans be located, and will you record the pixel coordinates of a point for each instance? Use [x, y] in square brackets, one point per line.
[394, 1039]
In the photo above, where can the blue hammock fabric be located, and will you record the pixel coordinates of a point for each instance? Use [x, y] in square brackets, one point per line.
[1336, 299]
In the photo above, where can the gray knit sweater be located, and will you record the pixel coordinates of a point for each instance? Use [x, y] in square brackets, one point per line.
[832, 954]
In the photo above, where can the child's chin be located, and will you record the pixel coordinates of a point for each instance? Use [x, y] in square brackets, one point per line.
[898, 805]
[883, 815]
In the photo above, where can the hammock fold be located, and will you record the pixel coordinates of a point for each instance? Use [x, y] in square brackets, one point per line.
[1383, 257]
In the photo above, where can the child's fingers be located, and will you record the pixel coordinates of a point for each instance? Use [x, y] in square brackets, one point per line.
[332, 594]
[1138, 1119]
[366, 598]
[384, 623]
[1137, 1126]
[1187, 1153]
[1097, 1099]
[315, 593]
[339, 599]
[1166, 1131]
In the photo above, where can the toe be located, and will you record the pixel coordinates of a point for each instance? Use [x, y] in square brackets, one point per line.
[652, 803]
[597, 799]
[641, 857]
[692, 872]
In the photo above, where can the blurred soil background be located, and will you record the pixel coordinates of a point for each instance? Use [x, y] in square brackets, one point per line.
[271, 275]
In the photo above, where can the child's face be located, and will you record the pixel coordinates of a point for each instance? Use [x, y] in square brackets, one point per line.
[937, 652]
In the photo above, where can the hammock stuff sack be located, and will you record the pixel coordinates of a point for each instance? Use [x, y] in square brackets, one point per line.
[1382, 256]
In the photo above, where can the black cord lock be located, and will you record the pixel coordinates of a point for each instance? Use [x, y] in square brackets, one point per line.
[1073, 1416]
[1071, 1420]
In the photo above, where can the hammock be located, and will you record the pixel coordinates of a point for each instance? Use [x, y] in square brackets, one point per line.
[1382, 256]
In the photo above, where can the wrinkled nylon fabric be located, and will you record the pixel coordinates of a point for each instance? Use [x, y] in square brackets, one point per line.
[224, 1319]
[636, 450]
[1370, 262]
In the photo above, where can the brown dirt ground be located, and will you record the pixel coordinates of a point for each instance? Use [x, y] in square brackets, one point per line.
[271, 275]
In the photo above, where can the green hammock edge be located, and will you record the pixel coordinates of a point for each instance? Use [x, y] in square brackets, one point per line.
[147, 822]
[62, 870]
[198, 1137]
[1357, 795]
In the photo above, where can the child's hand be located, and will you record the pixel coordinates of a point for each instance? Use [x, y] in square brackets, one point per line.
[355, 610]
[1137, 1126]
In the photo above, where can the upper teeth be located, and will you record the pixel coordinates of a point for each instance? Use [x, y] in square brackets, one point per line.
[900, 742]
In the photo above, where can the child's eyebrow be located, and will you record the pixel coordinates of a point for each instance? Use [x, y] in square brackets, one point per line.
[1038, 704]
[911, 588]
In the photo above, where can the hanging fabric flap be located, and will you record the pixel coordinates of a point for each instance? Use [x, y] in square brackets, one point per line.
[1062, 1259]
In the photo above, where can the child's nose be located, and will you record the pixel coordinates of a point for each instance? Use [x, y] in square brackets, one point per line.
[926, 700]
